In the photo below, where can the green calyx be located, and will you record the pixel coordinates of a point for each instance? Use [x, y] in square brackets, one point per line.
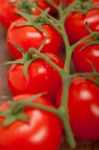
[25, 6]
[36, 21]
[83, 6]
[27, 57]
[33, 20]
[15, 112]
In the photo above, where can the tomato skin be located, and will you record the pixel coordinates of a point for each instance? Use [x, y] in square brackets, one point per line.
[83, 107]
[75, 24]
[69, 1]
[44, 5]
[29, 36]
[8, 13]
[84, 59]
[41, 78]
[43, 132]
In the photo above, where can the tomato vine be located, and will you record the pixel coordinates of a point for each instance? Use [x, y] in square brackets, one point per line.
[66, 76]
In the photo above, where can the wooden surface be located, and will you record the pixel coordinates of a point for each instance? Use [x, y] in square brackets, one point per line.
[5, 93]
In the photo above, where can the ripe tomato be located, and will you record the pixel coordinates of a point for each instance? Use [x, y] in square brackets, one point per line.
[42, 132]
[43, 5]
[29, 36]
[83, 107]
[75, 24]
[8, 12]
[41, 78]
[69, 1]
[85, 58]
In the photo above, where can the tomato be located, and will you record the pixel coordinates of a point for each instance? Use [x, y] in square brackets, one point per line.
[83, 107]
[75, 24]
[42, 77]
[8, 12]
[29, 36]
[86, 59]
[42, 132]
[69, 1]
[44, 5]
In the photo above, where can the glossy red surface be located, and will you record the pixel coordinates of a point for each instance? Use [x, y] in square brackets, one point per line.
[42, 132]
[29, 36]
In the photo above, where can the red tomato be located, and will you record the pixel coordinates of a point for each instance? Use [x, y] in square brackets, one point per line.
[69, 1]
[85, 58]
[43, 5]
[42, 132]
[41, 78]
[29, 36]
[84, 109]
[75, 24]
[8, 12]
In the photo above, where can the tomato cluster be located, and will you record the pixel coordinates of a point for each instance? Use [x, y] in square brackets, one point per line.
[8, 12]
[36, 72]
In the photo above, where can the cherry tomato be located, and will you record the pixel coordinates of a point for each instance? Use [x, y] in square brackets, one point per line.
[69, 1]
[75, 24]
[41, 78]
[29, 36]
[8, 12]
[42, 132]
[44, 5]
[86, 59]
[83, 107]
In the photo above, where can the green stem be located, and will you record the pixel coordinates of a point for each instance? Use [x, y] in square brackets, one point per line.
[65, 37]
[45, 108]
[92, 74]
[83, 40]
[66, 84]
[67, 49]
[65, 112]
[67, 129]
